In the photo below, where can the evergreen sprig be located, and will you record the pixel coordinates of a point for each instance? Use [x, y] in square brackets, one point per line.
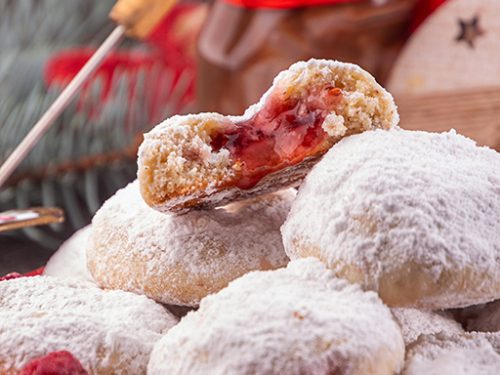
[90, 151]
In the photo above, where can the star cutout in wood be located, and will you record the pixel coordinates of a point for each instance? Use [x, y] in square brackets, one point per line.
[469, 31]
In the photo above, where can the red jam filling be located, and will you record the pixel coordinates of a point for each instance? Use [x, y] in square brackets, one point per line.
[55, 363]
[283, 133]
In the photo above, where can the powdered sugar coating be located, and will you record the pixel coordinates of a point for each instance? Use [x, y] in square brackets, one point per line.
[410, 214]
[414, 323]
[458, 354]
[109, 332]
[70, 260]
[180, 259]
[296, 320]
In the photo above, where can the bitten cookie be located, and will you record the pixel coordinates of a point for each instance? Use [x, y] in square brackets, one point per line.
[108, 332]
[295, 320]
[180, 259]
[409, 214]
[205, 160]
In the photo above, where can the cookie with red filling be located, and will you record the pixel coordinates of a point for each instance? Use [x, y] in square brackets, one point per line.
[205, 160]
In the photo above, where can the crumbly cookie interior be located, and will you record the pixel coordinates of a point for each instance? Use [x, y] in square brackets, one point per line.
[305, 112]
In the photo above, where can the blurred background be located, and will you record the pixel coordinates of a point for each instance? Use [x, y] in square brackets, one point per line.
[440, 59]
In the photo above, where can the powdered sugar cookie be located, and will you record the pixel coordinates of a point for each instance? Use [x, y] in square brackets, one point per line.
[70, 260]
[108, 332]
[295, 320]
[452, 354]
[207, 159]
[180, 259]
[411, 215]
[414, 323]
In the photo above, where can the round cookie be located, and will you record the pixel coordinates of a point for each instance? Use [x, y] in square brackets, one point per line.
[414, 323]
[296, 320]
[181, 259]
[468, 353]
[409, 214]
[70, 260]
[108, 332]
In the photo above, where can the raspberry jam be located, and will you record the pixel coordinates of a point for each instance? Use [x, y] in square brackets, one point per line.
[283, 133]
[56, 363]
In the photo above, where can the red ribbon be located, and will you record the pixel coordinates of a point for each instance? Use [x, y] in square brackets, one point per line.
[285, 4]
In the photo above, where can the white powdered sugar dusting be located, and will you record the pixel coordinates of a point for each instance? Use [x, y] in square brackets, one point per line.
[104, 330]
[414, 323]
[191, 253]
[295, 320]
[458, 354]
[410, 214]
[70, 260]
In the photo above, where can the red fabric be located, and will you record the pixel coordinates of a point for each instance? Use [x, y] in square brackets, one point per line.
[424, 9]
[55, 363]
[10, 276]
[15, 275]
[36, 272]
[284, 4]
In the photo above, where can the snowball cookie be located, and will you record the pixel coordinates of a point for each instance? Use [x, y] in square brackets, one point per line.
[70, 260]
[109, 332]
[180, 259]
[458, 354]
[295, 320]
[414, 323]
[409, 214]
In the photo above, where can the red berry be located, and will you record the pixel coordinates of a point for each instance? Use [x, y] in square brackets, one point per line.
[55, 363]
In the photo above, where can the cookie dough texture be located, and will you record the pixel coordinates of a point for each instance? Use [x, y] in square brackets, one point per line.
[409, 214]
[296, 320]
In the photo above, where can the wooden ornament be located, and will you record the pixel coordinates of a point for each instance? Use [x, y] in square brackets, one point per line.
[448, 74]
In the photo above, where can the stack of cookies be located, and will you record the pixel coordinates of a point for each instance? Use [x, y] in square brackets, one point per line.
[371, 268]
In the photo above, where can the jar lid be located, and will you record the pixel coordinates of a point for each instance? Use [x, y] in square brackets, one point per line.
[285, 4]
